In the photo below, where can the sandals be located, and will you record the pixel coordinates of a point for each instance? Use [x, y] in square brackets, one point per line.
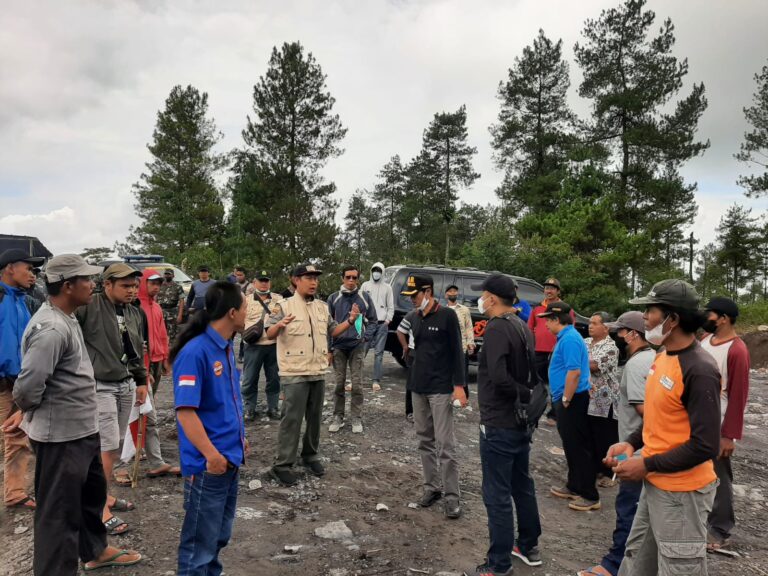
[122, 505]
[594, 571]
[113, 526]
[123, 479]
[27, 503]
[114, 560]
[376, 387]
[166, 470]
[606, 482]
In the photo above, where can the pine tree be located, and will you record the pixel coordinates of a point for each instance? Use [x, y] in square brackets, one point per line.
[177, 199]
[278, 191]
[387, 226]
[535, 126]
[445, 142]
[754, 149]
[738, 240]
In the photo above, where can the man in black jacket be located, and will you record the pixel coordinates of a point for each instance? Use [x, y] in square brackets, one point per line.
[504, 373]
[436, 375]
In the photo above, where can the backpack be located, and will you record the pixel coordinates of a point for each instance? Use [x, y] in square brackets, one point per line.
[528, 413]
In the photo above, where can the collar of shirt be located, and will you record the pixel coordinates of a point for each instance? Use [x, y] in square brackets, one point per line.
[432, 310]
[564, 331]
[216, 337]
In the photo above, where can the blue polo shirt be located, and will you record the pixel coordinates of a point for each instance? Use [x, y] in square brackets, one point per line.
[570, 353]
[205, 377]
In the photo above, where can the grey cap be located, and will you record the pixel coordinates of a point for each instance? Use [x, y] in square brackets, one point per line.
[66, 266]
[632, 320]
[673, 293]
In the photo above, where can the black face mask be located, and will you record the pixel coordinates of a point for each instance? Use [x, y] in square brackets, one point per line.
[621, 344]
[710, 326]
[452, 298]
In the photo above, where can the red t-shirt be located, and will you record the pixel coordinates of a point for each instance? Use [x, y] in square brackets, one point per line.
[545, 340]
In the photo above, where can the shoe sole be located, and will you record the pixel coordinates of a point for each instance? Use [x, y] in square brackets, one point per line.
[585, 508]
[525, 559]
[562, 495]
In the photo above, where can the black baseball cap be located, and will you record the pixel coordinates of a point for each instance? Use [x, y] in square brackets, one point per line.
[15, 255]
[417, 283]
[452, 287]
[556, 307]
[498, 285]
[263, 275]
[723, 305]
[673, 293]
[203, 269]
[554, 282]
[169, 271]
[306, 270]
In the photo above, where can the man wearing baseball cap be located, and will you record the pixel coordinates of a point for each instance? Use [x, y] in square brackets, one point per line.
[732, 357]
[56, 392]
[629, 332]
[302, 327]
[196, 296]
[114, 336]
[171, 300]
[16, 276]
[679, 438]
[435, 377]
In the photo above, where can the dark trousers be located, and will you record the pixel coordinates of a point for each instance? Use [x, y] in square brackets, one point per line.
[466, 374]
[573, 426]
[605, 433]
[626, 506]
[542, 369]
[256, 357]
[209, 502]
[71, 491]
[504, 454]
[722, 519]
[408, 402]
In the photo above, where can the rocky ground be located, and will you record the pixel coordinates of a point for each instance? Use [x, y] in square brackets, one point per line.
[278, 529]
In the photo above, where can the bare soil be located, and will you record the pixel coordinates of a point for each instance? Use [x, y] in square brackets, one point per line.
[381, 466]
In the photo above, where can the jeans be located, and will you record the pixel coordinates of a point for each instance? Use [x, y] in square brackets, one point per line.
[626, 507]
[209, 501]
[378, 342]
[256, 356]
[504, 454]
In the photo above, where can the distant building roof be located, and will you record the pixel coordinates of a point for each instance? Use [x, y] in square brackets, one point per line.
[28, 243]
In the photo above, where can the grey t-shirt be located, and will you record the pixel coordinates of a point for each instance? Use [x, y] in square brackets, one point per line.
[632, 391]
[56, 389]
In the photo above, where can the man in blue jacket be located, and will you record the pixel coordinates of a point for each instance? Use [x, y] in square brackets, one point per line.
[348, 348]
[16, 277]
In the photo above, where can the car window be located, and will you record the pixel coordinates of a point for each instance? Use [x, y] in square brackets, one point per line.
[398, 285]
[530, 292]
[467, 295]
[178, 274]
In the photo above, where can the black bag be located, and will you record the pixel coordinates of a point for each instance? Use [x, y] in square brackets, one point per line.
[528, 413]
[253, 333]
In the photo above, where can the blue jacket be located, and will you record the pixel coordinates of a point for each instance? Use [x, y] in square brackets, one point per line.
[14, 317]
[339, 305]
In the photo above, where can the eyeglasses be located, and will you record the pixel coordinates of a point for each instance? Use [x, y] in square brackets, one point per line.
[351, 277]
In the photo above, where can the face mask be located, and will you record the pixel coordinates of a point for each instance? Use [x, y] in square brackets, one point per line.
[424, 303]
[656, 335]
[452, 298]
[376, 276]
[710, 326]
[262, 292]
[481, 305]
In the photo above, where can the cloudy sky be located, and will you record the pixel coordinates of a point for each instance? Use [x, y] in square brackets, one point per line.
[81, 83]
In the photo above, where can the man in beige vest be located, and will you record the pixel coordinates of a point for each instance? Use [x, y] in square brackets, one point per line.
[302, 327]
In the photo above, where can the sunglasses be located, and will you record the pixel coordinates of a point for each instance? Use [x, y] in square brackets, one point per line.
[351, 277]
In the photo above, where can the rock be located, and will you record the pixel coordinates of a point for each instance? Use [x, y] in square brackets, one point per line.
[381, 507]
[447, 573]
[338, 572]
[254, 484]
[413, 505]
[756, 495]
[286, 558]
[556, 450]
[739, 490]
[246, 513]
[763, 328]
[334, 531]
[20, 529]
[292, 549]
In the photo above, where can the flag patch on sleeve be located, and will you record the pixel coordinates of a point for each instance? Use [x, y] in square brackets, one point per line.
[187, 380]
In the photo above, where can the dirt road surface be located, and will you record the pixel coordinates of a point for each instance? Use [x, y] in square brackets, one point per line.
[381, 467]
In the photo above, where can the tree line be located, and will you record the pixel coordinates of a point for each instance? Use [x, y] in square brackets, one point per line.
[597, 200]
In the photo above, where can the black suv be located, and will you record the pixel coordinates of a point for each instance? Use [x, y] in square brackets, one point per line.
[396, 276]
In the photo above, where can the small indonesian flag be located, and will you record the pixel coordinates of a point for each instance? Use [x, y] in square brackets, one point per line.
[138, 418]
[187, 380]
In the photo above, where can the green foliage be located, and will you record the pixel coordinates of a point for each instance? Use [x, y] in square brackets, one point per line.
[738, 242]
[177, 199]
[96, 255]
[754, 314]
[754, 149]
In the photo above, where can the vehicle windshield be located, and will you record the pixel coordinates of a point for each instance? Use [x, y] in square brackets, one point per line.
[178, 273]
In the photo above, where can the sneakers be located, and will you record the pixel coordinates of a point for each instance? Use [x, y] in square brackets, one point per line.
[429, 497]
[563, 492]
[273, 414]
[485, 570]
[409, 417]
[452, 508]
[337, 424]
[284, 477]
[532, 557]
[584, 505]
[315, 468]
[357, 426]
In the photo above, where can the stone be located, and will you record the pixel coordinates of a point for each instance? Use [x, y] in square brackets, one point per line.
[381, 507]
[20, 529]
[254, 484]
[338, 572]
[413, 505]
[334, 531]
[292, 549]
[739, 490]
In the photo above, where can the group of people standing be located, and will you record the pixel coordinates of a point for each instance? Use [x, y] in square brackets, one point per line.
[665, 425]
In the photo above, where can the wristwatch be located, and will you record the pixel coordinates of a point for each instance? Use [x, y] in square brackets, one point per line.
[566, 401]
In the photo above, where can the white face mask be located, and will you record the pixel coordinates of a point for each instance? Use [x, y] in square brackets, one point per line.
[481, 305]
[424, 303]
[376, 276]
[656, 335]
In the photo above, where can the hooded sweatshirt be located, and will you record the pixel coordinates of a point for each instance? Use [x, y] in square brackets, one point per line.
[381, 295]
[158, 336]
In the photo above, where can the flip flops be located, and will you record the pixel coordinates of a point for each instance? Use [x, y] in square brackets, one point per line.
[113, 524]
[27, 503]
[166, 470]
[122, 505]
[594, 571]
[114, 560]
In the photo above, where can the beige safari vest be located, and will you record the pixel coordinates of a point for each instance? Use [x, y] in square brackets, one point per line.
[302, 346]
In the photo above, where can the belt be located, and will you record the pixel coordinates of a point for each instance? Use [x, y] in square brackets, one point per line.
[380, 322]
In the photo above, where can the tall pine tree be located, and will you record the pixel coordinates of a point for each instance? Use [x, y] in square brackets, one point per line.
[738, 240]
[177, 199]
[754, 149]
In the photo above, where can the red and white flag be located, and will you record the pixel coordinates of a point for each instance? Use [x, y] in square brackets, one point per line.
[138, 418]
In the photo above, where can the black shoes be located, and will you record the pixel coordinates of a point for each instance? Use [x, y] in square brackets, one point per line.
[273, 414]
[284, 477]
[429, 497]
[315, 468]
[452, 508]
